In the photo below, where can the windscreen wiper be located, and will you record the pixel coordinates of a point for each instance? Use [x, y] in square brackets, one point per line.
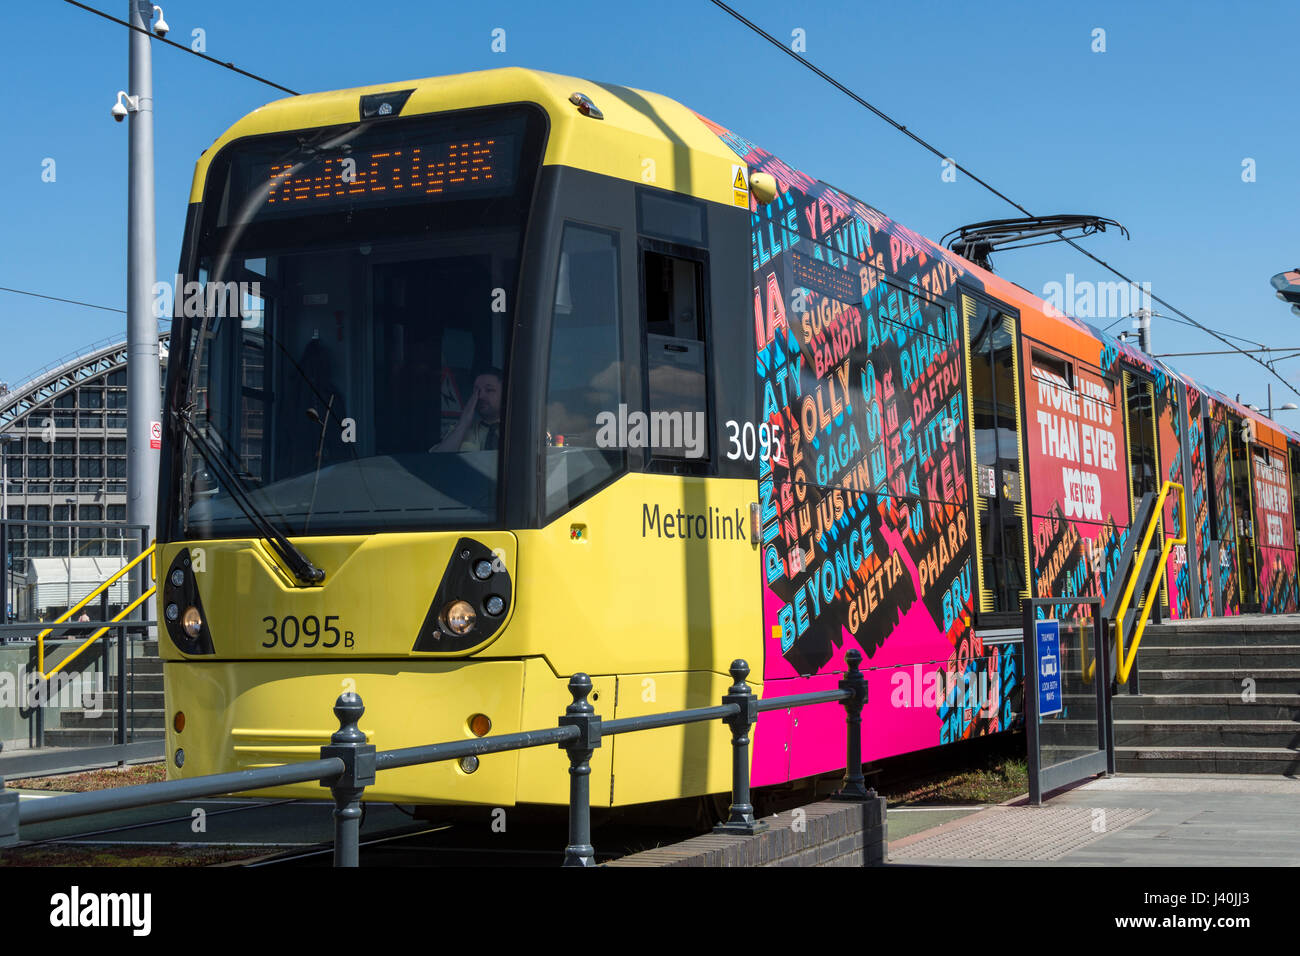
[298, 563]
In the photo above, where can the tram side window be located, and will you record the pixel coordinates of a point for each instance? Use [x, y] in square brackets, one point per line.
[585, 384]
[1294, 455]
[1242, 507]
[676, 362]
[1142, 449]
[1217, 531]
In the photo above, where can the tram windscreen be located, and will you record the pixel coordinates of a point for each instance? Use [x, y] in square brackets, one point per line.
[350, 324]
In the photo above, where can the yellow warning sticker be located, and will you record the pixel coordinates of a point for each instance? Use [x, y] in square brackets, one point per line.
[739, 186]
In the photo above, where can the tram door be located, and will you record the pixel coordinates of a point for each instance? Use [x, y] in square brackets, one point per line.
[1001, 520]
[1143, 457]
[1240, 436]
[1140, 409]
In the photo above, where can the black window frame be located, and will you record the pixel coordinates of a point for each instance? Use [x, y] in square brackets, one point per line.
[545, 513]
[706, 466]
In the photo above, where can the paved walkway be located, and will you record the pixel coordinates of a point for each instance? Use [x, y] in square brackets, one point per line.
[1157, 820]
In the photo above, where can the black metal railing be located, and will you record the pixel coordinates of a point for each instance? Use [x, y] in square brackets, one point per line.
[1045, 776]
[52, 648]
[348, 763]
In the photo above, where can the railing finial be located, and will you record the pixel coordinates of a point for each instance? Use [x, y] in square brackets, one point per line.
[349, 710]
[580, 687]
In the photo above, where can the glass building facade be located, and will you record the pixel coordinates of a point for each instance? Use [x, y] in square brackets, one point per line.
[64, 452]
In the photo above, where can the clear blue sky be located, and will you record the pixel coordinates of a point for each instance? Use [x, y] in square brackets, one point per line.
[1152, 132]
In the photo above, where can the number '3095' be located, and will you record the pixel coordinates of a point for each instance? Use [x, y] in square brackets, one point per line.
[307, 632]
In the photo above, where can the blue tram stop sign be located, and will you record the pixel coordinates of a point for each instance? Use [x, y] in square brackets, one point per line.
[1047, 640]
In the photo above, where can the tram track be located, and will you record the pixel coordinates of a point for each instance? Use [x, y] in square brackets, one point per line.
[418, 843]
[458, 844]
[109, 838]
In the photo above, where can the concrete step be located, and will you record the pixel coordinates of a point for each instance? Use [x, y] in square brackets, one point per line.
[95, 737]
[1162, 734]
[1206, 707]
[139, 699]
[1218, 655]
[139, 683]
[1237, 631]
[79, 719]
[1219, 680]
[142, 665]
[1207, 760]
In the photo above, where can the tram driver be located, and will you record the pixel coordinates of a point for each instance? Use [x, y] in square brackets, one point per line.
[479, 425]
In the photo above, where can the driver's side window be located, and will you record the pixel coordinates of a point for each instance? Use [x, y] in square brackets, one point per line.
[585, 386]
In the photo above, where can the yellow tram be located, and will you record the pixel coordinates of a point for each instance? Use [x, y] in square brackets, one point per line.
[480, 381]
[381, 248]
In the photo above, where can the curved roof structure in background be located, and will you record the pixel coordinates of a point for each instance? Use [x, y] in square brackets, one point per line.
[67, 372]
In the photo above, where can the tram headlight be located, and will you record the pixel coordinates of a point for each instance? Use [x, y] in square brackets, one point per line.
[192, 622]
[459, 617]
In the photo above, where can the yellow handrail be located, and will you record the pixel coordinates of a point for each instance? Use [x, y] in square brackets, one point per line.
[1124, 663]
[1086, 671]
[66, 615]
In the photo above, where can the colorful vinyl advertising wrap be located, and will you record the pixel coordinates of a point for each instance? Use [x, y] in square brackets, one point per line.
[865, 513]
[1078, 477]
[868, 512]
[1275, 526]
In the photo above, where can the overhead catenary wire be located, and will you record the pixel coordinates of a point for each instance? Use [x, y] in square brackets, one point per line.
[1254, 345]
[997, 192]
[180, 46]
[55, 298]
[1221, 352]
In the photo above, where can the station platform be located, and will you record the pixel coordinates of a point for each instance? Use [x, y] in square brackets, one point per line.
[1165, 820]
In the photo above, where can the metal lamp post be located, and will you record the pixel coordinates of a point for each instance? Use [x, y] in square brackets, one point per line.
[143, 431]
[1288, 407]
[5, 440]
